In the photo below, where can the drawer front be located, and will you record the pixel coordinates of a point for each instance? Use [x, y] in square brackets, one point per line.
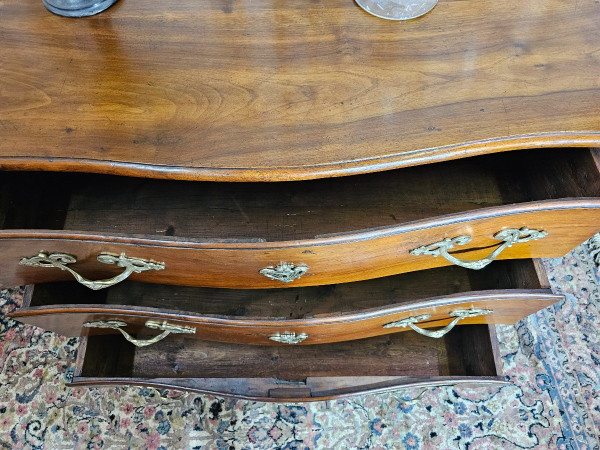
[556, 227]
[491, 307]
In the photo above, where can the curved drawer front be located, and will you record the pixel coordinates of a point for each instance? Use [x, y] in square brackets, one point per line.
[554, 228]
[491, 307]
[309, 390]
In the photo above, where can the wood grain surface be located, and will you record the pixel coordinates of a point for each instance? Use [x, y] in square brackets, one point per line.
[291, 90]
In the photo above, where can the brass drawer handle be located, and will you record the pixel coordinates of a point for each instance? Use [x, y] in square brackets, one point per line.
[60, 261]
[285, 272]
[458, 315]
[167, 328]
[508, 237]
[289, 338]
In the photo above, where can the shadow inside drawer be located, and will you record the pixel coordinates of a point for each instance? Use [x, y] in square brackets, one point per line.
[467, 351]
[290, 211]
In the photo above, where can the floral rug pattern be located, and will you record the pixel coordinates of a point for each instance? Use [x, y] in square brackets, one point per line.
[552, 357]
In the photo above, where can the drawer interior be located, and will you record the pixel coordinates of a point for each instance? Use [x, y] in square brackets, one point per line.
[291, 210]
[300, 302]
[467, 351]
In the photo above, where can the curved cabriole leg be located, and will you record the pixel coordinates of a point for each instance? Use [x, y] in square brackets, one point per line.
[77, 8]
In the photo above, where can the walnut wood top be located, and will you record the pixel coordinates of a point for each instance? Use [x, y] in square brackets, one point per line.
[291, 90]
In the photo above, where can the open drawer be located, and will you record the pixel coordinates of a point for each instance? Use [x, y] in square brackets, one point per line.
[471, 211]
[468, 355]
[502, 293]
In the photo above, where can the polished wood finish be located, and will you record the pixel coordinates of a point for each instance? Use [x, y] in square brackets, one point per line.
[261, 92]
[345, 229]
[289, 373]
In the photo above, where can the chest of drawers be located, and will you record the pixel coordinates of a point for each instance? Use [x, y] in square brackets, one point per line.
[297, 203]
[209, 314]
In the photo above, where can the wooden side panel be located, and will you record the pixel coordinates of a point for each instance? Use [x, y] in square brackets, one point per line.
[508, 307]
[596, 156]
[496, 350]
[335, 259]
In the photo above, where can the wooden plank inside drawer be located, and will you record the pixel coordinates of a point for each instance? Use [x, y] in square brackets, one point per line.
[294, 373]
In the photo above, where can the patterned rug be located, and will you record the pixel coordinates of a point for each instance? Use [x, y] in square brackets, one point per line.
[553, 359]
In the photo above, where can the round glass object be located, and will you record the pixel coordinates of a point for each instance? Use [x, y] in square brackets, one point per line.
[397, 9]
[77, 8]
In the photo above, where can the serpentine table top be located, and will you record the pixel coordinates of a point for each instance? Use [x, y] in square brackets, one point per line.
[269, 90]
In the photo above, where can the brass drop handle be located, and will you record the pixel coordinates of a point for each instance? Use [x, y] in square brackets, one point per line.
[508, 237]
[167, 328]
[458, 315]
[61, 261]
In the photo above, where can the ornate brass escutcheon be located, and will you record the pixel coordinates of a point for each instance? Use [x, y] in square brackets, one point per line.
[285, 272]
[508, 237]
[61, 260]
[289, 338]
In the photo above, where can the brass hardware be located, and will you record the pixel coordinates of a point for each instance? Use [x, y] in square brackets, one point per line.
[508, 237]
[171, 327]
[165, 327]
[60, 261]
[284, 272]
[289, 338]
[458, 315]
